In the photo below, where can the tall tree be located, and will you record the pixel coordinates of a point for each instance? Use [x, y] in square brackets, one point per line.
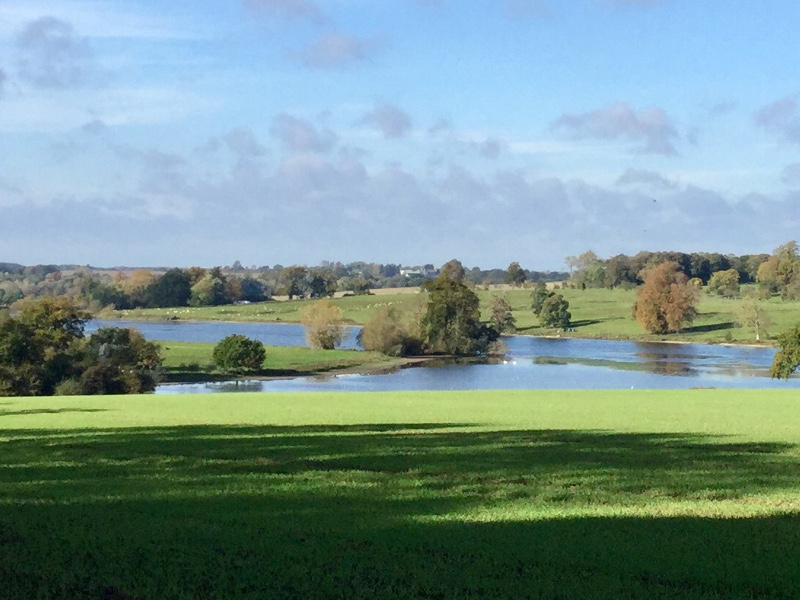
[452, 320]
[666, 301]
[515, 275]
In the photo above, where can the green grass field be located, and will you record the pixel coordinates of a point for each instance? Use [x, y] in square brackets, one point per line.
[492, 494]
[187, 361]
[598, 313]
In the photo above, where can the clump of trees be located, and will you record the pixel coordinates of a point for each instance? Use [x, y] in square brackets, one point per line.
[666, 302]
[239, 354]
[551, 308]
[449, 321]
[724, 283]
[43, 351]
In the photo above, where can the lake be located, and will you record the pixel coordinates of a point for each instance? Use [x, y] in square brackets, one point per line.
[531, 363]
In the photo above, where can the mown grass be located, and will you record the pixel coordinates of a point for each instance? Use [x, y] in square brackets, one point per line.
[188, 361]
[528, 494]
[596, 313]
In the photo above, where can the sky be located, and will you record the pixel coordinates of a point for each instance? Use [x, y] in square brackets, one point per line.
[201, 132]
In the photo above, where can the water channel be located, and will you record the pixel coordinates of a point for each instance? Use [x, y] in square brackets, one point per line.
[531, 363]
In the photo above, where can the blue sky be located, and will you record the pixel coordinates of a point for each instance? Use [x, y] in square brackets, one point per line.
[139, 132]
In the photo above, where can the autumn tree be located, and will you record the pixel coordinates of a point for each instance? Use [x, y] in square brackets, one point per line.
[324, 324]
[391, 332]
[665, 301]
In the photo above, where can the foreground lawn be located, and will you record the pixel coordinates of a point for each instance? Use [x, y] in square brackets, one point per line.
[522, 494]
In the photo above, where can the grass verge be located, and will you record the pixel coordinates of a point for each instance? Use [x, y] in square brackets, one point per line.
[192, 361]
[492, 494]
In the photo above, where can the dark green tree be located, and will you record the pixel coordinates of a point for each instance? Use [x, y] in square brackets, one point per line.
[453, 270]
[538, 297]
[555, 312]
[515, 275]
[321, 283]
[452, 320]
[173, 288]
[294, 281]
[238, 354]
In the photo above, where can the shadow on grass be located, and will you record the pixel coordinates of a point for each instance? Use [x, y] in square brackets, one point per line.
[709, 327]
[390, 511]
[48, 411]
[584, 322]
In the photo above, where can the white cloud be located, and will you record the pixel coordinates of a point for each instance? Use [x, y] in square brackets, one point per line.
[334, 50]
[652, 128]
[298, 135]
[51, 55]
[393, 122]
[781, 118]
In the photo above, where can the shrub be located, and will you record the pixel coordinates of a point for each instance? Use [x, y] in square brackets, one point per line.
[324, 325]
[237, 353]
[387, 332]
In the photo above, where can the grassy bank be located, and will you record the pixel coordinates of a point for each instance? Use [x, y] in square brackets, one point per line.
[595, 313]
[191, 361]
[602, 494]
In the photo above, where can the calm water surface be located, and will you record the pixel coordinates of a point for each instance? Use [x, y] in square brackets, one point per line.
[531, 363]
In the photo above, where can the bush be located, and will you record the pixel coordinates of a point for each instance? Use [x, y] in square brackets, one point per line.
[237, 353]
[324, 325]
[387, 332]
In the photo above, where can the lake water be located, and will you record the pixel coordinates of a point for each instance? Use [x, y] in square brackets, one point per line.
[531, 363]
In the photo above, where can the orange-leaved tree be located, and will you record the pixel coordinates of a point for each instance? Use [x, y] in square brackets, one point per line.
[665, 301]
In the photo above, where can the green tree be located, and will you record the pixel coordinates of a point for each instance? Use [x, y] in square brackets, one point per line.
[665, 301]
[238, 354]
[538, 297]
[209, 291]
[294, 281]
[502, 319]
[120, 361]
[324, 324]
[173, 288]
[787, 358]
[724, 283]
[453, 270]
[321, 283]
[452, 319]
[515, 275]
[751, 314]
[555, 312]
